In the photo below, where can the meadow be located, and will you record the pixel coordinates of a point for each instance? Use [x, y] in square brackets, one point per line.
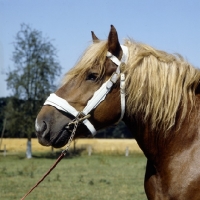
[76, 177]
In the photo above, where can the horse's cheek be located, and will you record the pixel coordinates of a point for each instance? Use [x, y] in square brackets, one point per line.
[108, 111]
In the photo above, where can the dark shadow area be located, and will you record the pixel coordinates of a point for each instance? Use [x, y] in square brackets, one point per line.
[119, 131]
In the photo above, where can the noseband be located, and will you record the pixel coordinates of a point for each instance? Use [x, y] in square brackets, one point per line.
[99, 95]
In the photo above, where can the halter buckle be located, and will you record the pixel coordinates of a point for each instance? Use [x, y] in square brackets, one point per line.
[79, 118]
[122, 66]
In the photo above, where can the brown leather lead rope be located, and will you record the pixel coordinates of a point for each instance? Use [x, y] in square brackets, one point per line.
[74, 122]
[54, 165]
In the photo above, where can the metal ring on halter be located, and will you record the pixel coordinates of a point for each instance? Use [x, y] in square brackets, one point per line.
[79, 118]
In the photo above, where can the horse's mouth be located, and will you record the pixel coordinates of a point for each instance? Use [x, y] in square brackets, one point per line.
[57, 141]
[61, 139]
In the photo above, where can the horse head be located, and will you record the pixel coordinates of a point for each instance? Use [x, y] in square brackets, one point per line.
[90, 89]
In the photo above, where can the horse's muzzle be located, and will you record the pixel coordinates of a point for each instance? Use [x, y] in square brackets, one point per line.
[50, 127]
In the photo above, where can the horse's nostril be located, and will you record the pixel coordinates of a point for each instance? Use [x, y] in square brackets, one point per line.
[44, 126]
[40, 127]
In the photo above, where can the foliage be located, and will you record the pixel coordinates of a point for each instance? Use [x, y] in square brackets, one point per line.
[20, 121]
[32, 80]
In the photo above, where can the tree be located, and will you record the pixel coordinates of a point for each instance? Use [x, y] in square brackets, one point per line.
[31, 81]
[35, 63]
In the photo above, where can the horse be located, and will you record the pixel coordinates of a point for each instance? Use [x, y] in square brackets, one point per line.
[156, 94]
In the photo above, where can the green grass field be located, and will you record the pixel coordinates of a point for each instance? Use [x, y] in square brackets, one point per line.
[96, 177]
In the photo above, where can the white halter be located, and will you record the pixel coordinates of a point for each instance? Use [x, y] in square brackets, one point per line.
[99, 95]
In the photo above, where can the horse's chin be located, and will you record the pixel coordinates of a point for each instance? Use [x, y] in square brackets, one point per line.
[57, 142]
[61, 140]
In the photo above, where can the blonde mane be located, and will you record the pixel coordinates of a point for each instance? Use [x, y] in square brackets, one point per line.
[158, 84]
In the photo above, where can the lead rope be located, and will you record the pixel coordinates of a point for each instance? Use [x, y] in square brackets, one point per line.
[75, 122]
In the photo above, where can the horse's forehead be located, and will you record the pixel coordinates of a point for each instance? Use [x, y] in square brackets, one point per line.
[92, 60]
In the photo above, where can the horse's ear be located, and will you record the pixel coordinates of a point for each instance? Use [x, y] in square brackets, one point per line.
[94, 38]
[113, 43]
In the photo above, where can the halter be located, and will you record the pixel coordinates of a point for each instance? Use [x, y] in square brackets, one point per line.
[99, 95]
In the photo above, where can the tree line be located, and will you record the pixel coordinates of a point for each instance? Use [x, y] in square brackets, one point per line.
[32, 79]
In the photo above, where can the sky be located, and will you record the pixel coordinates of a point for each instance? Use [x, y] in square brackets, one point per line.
[169, 25]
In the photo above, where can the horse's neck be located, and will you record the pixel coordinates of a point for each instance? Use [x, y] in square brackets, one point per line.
[142, 134]
[155, 144]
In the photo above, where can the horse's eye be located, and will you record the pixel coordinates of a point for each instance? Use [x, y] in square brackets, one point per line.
[91, 77]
